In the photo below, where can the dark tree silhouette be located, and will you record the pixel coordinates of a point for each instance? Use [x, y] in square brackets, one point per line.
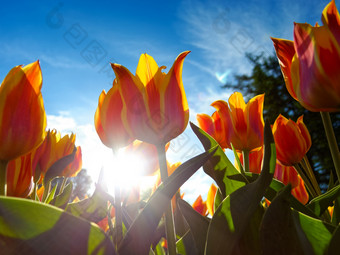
[266, 77]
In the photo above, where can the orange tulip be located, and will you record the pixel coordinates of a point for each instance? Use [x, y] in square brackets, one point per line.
[200, 206]
[211, 199]
[54, 148]
[300, 192]
[22, 113]
[215, 127]
[75, 166]
[155, 106]
[246, 121]
[255, 160]
[310, 64]
[292, 140]
[20, 176]
[108, 121]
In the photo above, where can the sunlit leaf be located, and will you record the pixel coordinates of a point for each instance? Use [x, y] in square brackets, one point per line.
[218, 166]
[50, 195]
[62, 199]
[30, 227]
[140, 235]
[93, 208]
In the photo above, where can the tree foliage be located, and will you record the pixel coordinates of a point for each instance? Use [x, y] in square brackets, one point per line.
[266, 77]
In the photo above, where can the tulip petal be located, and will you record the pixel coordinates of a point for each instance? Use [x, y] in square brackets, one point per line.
[331, 19]
[319, 59]
[97, 121]
[174, 105]
[285, 52]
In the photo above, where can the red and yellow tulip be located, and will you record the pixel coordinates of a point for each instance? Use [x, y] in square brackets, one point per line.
[292, 140]
[246, 121]
[311, 62]
[54, 148]
[255, 160]
[200, 206]
[108, 119]
[215, 127]
[288, 174]
[155, 108]
[22, 112]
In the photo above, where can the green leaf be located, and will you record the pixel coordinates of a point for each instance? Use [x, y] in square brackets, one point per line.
[319, 204]
[218, 166]
[198, 224]
[277, 233]
[317, 232]
[334, 245]
[274, 187]
[238, 210]
[51, 194]
[186, 245]
[336, 212]
[62, 199]
[140, 235]
[287, 231]
[93, 208]
[30, 227]
[218, 199]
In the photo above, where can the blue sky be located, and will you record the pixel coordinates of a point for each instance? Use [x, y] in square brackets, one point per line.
[76, 40]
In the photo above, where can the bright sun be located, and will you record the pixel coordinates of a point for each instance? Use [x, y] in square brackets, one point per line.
[126, 170]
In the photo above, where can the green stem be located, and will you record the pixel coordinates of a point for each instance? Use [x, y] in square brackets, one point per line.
[118, 212]
[308, 169]
[332, 143]
[246, 160]
[118, 209]
[169, 220]
[3, 177]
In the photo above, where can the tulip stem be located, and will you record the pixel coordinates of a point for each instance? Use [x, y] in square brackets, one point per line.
[332, 143]
[246, 160]
[118, 209]
[169, 220]
[309, 186]
[3, 177]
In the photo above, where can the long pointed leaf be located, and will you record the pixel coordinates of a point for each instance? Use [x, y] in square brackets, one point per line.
[218, 166]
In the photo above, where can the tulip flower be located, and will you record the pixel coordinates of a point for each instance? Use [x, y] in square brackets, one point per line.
[108, 120]
[292, 140]
[20, 176]
[155, 106]
[311, 62]
[54, 148]
[22, 113]
[75, 166]
[255, 160]
[211, 199]
[246, 121]
[200, 206]
[215, 127]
